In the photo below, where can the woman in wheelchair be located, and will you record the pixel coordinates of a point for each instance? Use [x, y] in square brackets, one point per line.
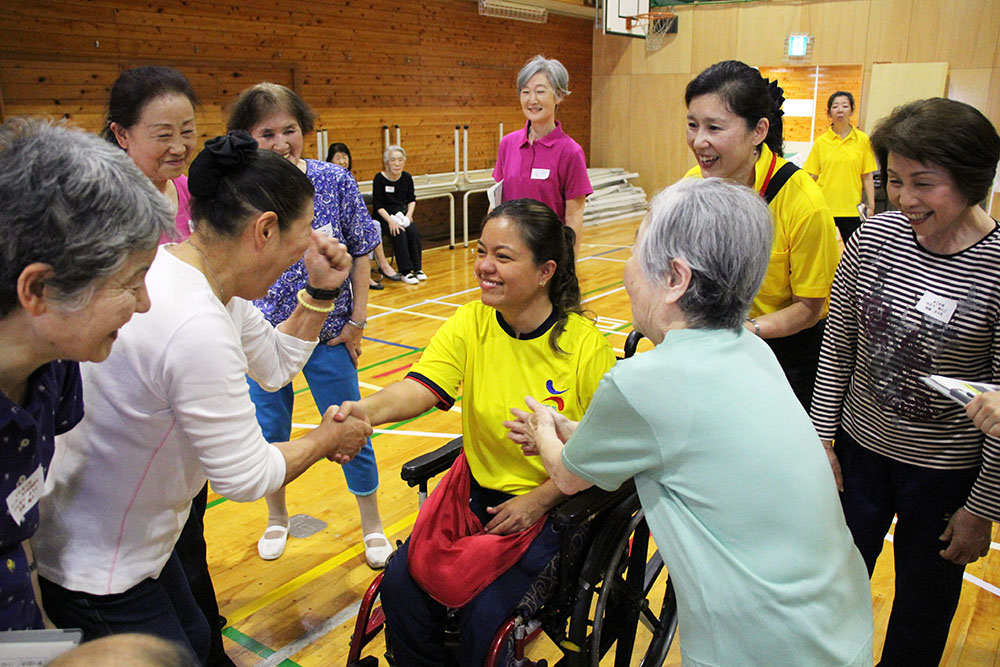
[733, 480]
[483, 535]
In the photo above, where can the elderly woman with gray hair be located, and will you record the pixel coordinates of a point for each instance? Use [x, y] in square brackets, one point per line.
[79, 225]
[737, 494]
[540, 161]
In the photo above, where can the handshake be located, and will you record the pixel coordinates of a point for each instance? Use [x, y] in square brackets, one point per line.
[343, 431]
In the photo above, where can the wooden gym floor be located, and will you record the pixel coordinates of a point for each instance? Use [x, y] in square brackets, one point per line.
[300, 609]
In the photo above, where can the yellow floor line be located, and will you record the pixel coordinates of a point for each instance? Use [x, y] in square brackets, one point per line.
[310, 575]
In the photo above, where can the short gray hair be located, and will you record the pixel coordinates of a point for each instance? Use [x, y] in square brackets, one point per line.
[723, 230]
[75, 202]
[390, 149]
[554, 71]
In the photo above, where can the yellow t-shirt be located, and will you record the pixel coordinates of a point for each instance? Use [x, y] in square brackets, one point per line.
[475, 347]
[840, 163]
[805, 252]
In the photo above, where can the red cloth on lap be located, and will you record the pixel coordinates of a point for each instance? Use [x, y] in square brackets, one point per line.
[451, 556]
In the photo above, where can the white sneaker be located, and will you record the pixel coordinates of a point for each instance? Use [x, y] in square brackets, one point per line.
[410, 279]
[271, 548]
[421, 275]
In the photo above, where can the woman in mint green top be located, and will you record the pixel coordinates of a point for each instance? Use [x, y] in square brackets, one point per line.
[733, 480]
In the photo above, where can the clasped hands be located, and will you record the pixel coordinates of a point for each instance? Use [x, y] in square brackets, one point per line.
[543, 423]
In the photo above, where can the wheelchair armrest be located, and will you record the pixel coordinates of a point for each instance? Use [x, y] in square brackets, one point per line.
[419, 470]
[581, 506]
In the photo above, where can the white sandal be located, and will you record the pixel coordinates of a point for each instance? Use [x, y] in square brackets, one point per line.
[270, 548]
[376, 556]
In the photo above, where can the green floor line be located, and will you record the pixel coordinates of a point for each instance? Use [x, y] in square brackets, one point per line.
[614, 284]
[214, 503]
[375, 365]
[254, 646]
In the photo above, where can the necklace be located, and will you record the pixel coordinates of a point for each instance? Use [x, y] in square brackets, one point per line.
[213, 281]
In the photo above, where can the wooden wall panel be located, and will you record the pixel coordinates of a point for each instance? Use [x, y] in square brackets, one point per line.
[962, 33]
[762, 31]
[425, 66]
[715, 31]
[971, 86]
[839, 28]
[610, 134]
[888, 27]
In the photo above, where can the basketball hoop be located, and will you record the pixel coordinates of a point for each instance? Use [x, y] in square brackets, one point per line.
[654, 25]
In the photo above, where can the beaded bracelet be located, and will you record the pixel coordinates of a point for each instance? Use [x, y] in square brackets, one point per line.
[315, 309]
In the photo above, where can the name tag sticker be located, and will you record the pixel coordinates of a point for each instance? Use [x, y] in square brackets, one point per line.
[539, 174]
[326, 230]
[938, 307]
[25, 495]
[390, 188]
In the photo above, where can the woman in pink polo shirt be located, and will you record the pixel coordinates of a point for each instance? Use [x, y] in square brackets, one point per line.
[540, 161]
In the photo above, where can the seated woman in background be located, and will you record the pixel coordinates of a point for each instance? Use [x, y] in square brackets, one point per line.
[393, 200]
[842, 162]
[277, 118]
[526, 336]
[734, 130]
[171, 409]
[736, 492]
[918, 293]
[340, 155]
[79, 224]
[151, 117]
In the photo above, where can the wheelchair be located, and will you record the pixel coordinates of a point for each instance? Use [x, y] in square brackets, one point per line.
[591, 599]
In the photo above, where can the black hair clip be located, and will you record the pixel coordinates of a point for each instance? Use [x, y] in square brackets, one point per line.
[219, 155]
[777, 96]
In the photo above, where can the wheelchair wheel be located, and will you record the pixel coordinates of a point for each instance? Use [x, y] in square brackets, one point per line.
[621, 612]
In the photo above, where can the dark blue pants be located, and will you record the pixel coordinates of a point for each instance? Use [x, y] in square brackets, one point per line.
[415, 622]
[798, 355]
[163, 607]
[876, 488]
[192, 551]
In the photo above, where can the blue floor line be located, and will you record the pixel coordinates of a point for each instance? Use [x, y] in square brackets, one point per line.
[624, 247]
[385, 342]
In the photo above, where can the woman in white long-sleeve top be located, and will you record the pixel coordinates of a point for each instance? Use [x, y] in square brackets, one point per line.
[171, 407]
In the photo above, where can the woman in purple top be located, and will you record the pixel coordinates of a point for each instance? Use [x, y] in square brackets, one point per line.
[540, 161]
[277, 118]
[151, 117]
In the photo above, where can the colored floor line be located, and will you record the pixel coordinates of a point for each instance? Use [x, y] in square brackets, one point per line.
[386, 342]
[375, 365]
[394, 370]
[254, 646]
[310, 575]
[608, 252]
[603, 287]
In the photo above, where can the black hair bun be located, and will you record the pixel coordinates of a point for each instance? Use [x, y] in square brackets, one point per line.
[219, 156]
[777, 96]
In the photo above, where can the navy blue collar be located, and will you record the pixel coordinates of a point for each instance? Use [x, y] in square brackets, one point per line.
[540, 331]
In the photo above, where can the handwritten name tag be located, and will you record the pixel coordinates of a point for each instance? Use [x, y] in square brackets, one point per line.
[390, 188]
[940, 308]
[326, 230]
[25, 495]
[539, 174]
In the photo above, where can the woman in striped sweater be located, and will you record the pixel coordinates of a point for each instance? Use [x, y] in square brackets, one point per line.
[917, 292]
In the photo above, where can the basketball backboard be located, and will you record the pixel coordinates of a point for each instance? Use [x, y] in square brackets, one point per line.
[615, 13]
